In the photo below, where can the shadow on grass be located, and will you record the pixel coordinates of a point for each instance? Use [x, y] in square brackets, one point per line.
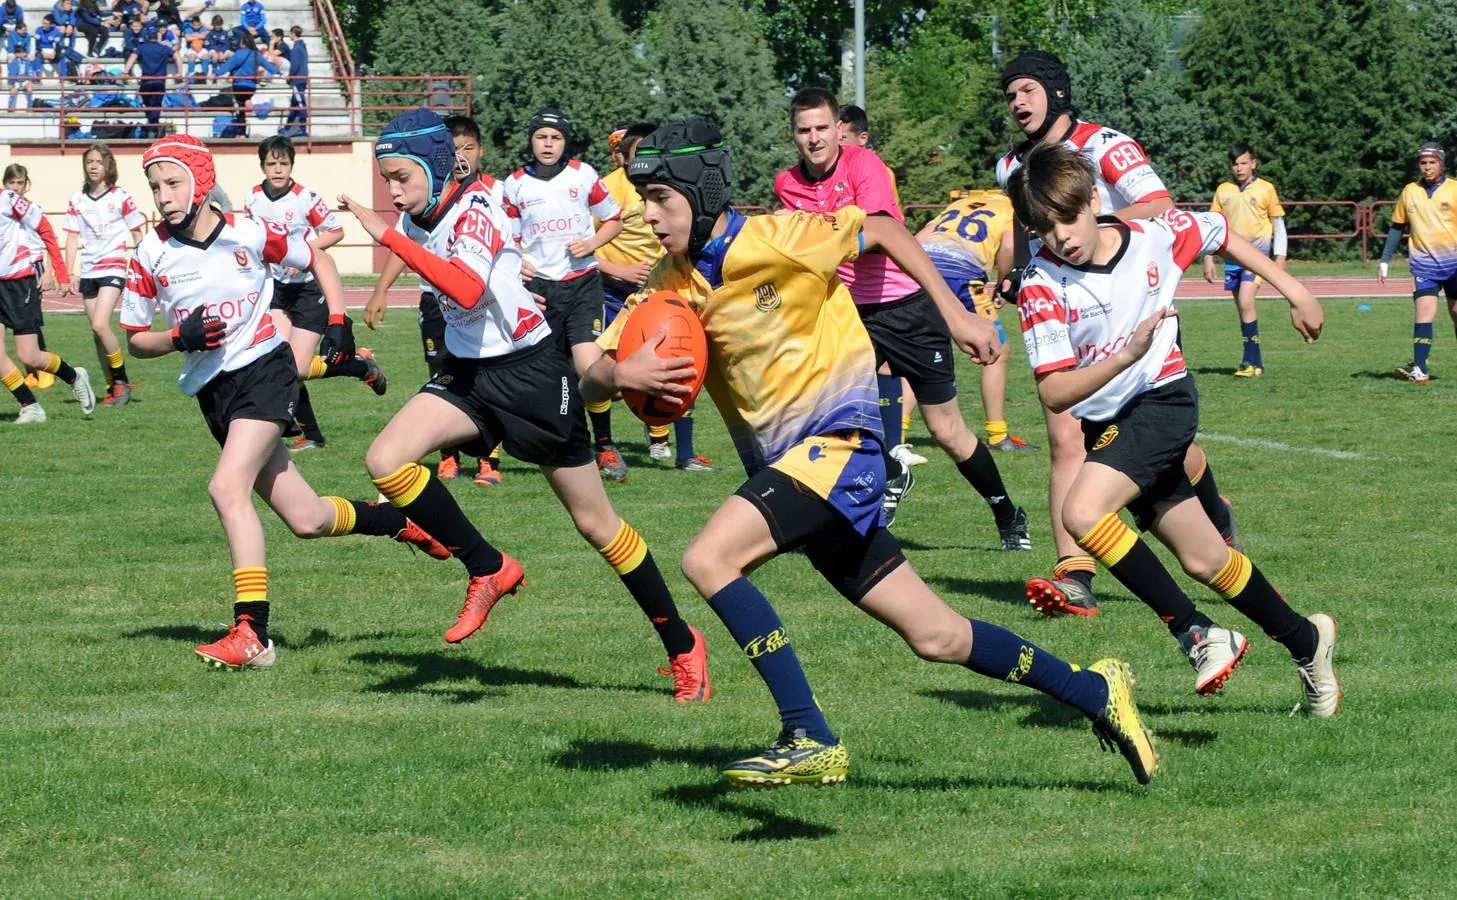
[616, 756]
[1389, 375]
[1042, 711]
[1189, 737]
[427, 670]
[720, 797]
[1214, 370]
[1003, 591]
[192, 634]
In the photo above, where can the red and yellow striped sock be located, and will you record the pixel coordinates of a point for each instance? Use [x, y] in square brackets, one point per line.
[251, 584]
[626, 551]
[1070, 564]
[402, 486]
[58, 367]
[1234, 577]
[317, 368]
[344, 516]
[15, 383]
[1109, 540]
[996, 431]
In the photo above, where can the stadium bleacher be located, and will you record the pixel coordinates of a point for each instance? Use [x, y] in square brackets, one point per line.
[329, 112]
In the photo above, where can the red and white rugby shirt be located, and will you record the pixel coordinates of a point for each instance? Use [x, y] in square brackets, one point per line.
[103, 225]
[1074, 316]
[1124, 175]
[300, 210]
[555, 211]
[228, 273]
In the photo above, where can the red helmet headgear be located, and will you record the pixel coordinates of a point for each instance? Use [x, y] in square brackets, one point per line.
[192, 155]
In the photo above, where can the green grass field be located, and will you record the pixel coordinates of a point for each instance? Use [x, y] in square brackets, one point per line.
[544, 757]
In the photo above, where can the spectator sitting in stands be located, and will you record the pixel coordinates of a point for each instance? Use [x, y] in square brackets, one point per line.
[20, 47]
[217, 44]
[52, 46]
[166, 13]
[194, 38]
[64, 15]
[131, 38]
[126, 10]
[11, 14]
[255, 18]
[96, 25]
[277, 50]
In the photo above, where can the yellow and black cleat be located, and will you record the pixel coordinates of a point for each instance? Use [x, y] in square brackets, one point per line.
[795, 758]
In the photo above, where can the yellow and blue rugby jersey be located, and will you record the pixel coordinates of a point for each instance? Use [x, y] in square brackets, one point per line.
[971, 229]
[636, 242]
[788, 356]
[1250, 210]
[1430, 214]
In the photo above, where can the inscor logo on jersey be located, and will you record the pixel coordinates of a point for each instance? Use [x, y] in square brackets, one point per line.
[1125, 156]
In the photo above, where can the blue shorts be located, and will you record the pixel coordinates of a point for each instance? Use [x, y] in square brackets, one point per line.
[1236, 275]
[847, 471]
[1430, 281]
[614, 294]
[968, 282]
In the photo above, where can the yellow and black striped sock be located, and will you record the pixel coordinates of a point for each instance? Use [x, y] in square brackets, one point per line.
[658, 434]
[317, 368]
[628, 555]
[1078, 568]
[358, 517]
[117, 366]
[1136, 567]
[15, 384]
[996, 431]
[905, 425]
[1247, 590]
[250, 587]
[415, 491]
[600, 415]
[59, 368]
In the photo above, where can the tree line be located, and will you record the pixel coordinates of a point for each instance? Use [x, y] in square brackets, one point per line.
[1334, 95]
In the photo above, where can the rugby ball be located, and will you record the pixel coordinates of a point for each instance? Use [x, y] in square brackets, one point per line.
[685, 338]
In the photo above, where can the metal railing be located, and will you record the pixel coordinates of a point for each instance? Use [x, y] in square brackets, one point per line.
[364, 103]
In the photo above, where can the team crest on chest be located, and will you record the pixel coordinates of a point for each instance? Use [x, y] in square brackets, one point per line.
[1153, 275]
[241, 255]
[766, 298]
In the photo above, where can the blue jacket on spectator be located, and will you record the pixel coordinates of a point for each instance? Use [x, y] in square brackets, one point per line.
[63, 18]
[130, 41]
[11, 13]
[87, 17]
[48, 37]
[243, 67]
[254, 16]
[216, 40]
[129, 10]
[298, 59]
[16, 43]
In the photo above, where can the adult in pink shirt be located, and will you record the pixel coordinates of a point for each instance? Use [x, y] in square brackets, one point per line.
[912, 333]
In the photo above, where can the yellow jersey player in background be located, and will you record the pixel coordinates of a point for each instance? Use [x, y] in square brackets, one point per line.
[625, 263]
[1427, 211]
[792, 369]
[1253, 209]
[967, 241]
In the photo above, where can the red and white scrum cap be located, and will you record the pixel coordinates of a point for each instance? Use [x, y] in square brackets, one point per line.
[192, 155]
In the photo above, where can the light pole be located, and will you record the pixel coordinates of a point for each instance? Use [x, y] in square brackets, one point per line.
[860, 53]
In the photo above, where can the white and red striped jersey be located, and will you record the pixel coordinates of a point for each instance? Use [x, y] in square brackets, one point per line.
[301, 210]
[1124, 175]
[555, 211]
[103, 224]
[228, 272]
[20, 222]
[495, 189]
[472, 230]
[1074, 316]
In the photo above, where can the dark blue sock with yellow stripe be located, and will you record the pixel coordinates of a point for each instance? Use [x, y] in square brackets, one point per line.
[1421, 344]
[756, 627]
[1000, 654]
[891, 402]
[1250, 332]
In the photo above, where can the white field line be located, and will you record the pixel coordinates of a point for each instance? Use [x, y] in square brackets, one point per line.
[1262, 444]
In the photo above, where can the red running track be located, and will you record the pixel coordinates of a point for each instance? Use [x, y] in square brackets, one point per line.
[1189, 289]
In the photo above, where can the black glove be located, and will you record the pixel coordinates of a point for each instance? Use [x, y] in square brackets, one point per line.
[1007, 288]
[338, 343]
[198, 332]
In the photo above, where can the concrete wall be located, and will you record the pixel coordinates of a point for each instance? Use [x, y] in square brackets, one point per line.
[330, 169]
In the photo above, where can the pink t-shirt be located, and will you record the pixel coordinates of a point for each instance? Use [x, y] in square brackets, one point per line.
[858, 178]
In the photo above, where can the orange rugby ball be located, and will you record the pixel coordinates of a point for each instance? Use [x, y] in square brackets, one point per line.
[685, 338]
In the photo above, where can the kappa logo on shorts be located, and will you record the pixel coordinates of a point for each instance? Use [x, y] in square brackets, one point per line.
[1109, 435]
[766, 298]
